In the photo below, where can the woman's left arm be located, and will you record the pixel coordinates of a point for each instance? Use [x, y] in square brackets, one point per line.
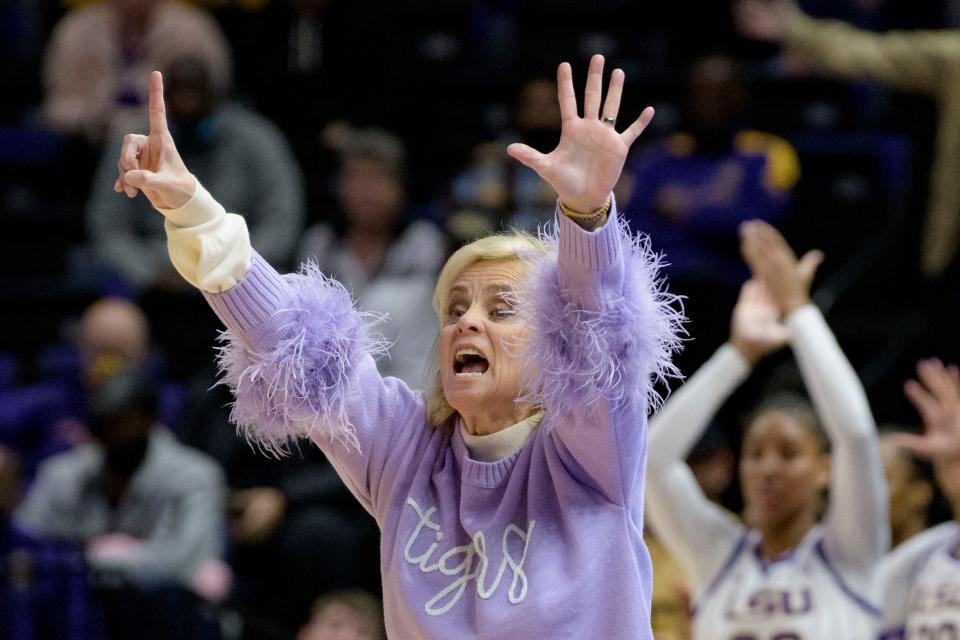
[601, 325]
[857, 525]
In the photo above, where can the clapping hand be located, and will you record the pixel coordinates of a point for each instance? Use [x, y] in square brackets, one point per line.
[151, 163]
[775, 265]
[587, 162]
[757, 328]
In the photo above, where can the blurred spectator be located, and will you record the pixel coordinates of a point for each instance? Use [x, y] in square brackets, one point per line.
[238, 155]
[499, 191]
[910, 483]
[923, 62]
[147, 510]
[99, 57]
[48, 417]
[692, 191]
[292, 522]
[345, 615]
[114, 335]
[386, 260]
[43, 587]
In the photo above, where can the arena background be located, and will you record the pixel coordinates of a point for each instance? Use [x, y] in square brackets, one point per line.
[445, 76]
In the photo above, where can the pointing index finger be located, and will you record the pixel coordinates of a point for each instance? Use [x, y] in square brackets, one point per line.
[158, 112]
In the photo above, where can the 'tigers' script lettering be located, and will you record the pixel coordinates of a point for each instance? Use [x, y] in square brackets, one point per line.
[466, 563]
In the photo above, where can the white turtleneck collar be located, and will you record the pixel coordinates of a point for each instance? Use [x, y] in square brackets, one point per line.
[503, 443]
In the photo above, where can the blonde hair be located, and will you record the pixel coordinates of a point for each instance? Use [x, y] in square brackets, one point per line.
[514, 245]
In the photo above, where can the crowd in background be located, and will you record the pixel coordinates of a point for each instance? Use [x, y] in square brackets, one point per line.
[369, 138]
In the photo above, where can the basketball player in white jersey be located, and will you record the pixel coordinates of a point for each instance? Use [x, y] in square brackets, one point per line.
[788, 576]
[921, 578]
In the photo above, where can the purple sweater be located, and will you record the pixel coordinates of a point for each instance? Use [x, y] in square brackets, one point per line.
[545, 543]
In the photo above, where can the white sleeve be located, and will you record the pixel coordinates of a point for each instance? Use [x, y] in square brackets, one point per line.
[856, 525]
[208, 246]
[699, 533]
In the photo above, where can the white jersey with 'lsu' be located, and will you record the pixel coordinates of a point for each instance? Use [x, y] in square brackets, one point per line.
[799, 596]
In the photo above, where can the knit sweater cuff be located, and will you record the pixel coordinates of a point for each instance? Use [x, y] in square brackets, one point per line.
[593, 250]
[249, 308]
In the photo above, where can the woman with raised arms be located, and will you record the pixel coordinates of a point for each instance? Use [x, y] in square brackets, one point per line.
[510, 496]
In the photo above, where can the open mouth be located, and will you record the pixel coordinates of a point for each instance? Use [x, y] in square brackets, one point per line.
[469, 363]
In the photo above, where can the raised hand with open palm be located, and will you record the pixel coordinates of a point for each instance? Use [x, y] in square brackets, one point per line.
[587, 162]
[756, 327]
[771, 260]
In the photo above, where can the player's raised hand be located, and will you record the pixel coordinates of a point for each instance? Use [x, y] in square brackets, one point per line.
[151, 163]
[773, 262]
[587, 162]
[756, 327]
[936, 395]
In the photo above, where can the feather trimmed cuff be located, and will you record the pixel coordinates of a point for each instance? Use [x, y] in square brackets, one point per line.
[299, 382]
[615, 353]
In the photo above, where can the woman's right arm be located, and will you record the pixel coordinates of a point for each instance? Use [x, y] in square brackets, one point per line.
[698, 532]
[297, 355]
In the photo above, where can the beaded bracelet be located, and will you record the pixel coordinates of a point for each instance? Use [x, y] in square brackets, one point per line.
[592, 219]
